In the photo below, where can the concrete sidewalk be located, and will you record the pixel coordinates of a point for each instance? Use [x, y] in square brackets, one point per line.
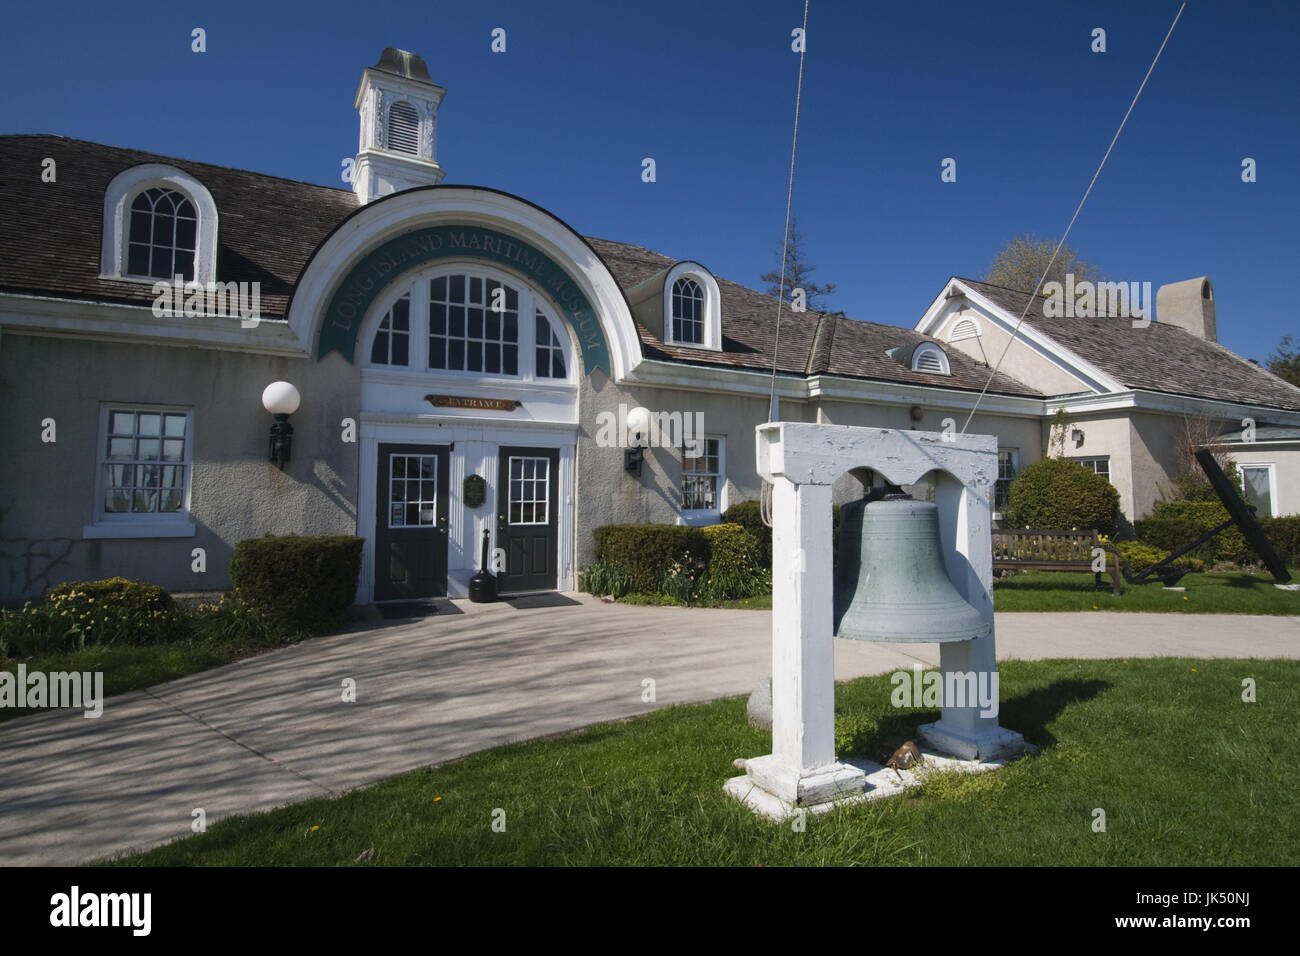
[274, 729]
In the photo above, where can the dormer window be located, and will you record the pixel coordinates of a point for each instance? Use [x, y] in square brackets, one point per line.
[692, 312]
[404, 129]
[164, 226]
[159, 222]
[688, 312]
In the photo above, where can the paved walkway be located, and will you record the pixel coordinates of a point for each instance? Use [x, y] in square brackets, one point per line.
[273, 729]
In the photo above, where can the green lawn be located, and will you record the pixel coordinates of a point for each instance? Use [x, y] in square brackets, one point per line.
[1205, 594]
[1186, 773]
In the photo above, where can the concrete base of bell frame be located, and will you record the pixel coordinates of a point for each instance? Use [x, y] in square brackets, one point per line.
[852, 780]
[994, 744]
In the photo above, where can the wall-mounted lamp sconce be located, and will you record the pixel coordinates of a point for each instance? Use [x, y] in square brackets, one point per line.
[1076, 434]
[638, 434]
[281, 399]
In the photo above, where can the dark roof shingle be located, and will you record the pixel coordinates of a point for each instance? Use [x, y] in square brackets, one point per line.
[1159, 358]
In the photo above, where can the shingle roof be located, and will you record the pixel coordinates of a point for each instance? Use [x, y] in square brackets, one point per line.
[847, 347]
[50, 232]
[1159, 358]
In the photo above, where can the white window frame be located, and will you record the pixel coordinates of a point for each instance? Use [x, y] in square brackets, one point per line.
[546, 490]
[712, 306]
[1271, 468]
[121, 193]
[530, 300]
[1015, 467]
[1090, 461]
[177, 525]
[704, 516]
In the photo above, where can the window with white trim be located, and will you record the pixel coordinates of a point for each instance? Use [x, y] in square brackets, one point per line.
[692, 307]
[1260, 488]
[163, 235]
[1098, 466]
[143, 472]
[392, 345]
[688, 312]
[159, 222]
[473, 322]
[550, 353]
[1008, 468]
[529, 497]
[702, 475]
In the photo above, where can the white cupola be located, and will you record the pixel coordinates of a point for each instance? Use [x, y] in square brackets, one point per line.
[398, 103]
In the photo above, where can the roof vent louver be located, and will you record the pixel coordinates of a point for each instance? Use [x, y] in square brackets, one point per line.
[404, 129]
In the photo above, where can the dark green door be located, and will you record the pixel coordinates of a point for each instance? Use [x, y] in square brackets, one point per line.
[411, 524]
[528, 484]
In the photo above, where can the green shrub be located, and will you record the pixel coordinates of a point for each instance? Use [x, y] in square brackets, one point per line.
[1176, 524]
[78, 614]
[232, 621]
[601, 578]
[735, 568]
[298, 583]
[748, 514]
[1137, 557]
[1056, 493]
[646, 552]
[1283, 534]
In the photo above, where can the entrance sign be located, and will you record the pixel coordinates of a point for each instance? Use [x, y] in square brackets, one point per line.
[461, 401]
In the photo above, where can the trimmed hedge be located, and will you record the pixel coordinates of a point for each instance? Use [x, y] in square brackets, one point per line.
[713, 563]
[298, 583]
[1283, 534]
[1176, 524]
[748, 514]
[735, 568]
[645, 552]
[1137, 557]
[1059, 493]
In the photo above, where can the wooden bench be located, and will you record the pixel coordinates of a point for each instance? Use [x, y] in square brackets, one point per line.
[1035, 550]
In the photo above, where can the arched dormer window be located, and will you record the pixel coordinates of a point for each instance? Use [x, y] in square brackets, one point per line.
[692, 311]
[162, 235]
[931, 359]
[159, 222]
[688, 312]
[403, 129]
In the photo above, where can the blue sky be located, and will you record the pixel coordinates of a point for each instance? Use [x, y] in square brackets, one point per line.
[586, 90]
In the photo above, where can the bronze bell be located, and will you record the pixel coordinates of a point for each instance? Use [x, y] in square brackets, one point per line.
[892, 584]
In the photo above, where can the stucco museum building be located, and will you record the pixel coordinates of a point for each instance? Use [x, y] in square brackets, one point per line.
[454, 350]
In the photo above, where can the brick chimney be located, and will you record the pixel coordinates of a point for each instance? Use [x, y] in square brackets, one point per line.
[1189, 305]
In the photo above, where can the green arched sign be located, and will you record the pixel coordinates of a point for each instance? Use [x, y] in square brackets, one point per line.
[367, 279]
